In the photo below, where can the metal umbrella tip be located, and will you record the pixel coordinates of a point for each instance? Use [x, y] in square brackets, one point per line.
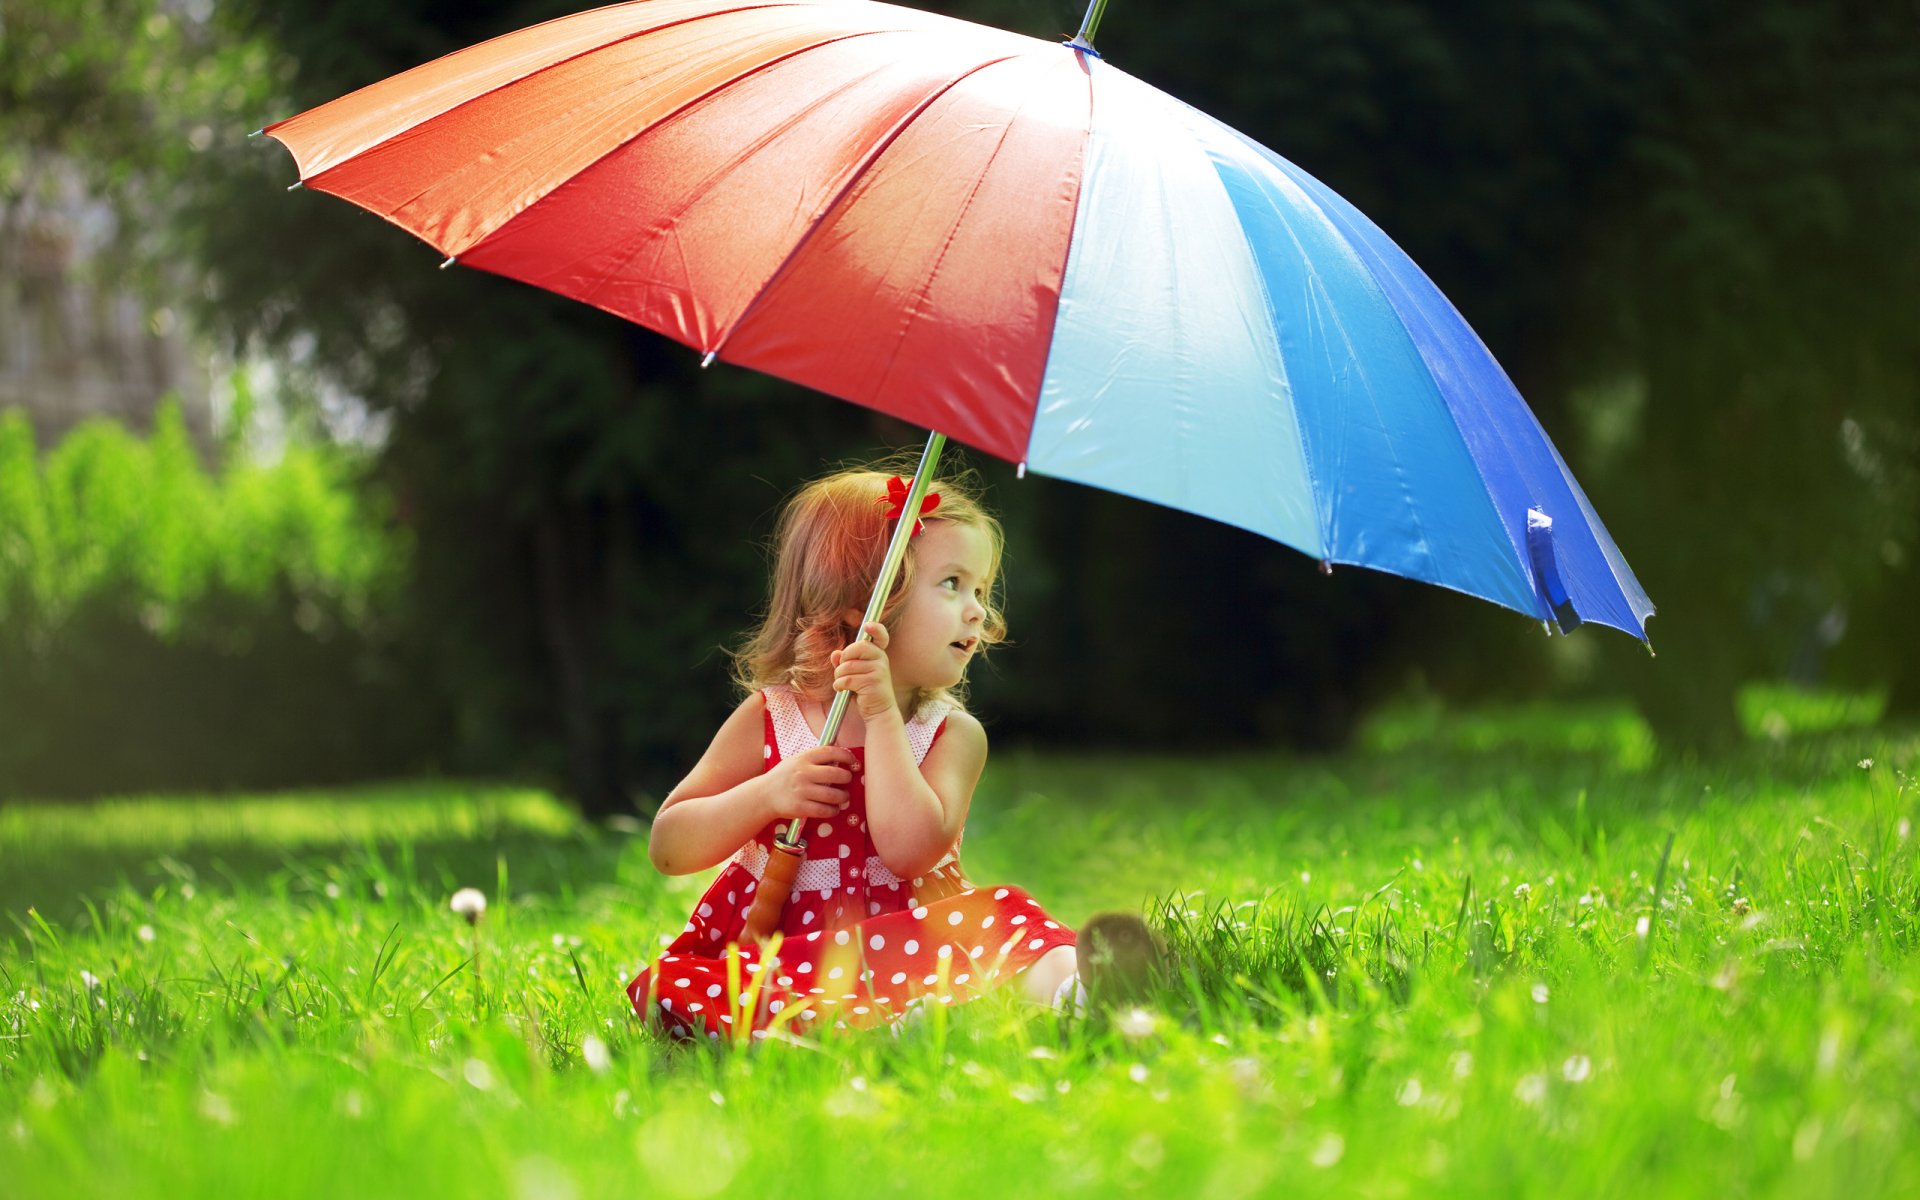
[451, 259]
[257, 132]
[1020, 472]
[706, 360]
[296, 185]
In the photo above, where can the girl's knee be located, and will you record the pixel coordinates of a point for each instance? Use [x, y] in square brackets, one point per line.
[1043, 978]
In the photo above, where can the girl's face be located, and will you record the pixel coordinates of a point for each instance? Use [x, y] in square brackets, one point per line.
[937, 634]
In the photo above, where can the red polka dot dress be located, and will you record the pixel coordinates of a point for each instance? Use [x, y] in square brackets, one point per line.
[858, 945]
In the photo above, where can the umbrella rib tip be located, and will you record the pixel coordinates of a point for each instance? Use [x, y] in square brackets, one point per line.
[450, 261]
[706, 360]
[296, 185]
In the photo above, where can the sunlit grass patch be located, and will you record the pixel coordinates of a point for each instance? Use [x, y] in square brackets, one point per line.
[1497, 958]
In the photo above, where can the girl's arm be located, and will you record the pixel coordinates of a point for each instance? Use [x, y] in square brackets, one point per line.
[726, 799]
[916, 812]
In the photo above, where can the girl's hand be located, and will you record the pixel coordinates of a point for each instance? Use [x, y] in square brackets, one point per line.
[862, 669]
[811, 784]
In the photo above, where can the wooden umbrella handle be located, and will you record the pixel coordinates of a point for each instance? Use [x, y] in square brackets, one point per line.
[770, 897]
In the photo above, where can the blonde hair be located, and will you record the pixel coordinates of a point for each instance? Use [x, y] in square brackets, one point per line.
[827, 551]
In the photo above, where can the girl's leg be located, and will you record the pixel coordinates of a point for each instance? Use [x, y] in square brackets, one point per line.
[1043, 979]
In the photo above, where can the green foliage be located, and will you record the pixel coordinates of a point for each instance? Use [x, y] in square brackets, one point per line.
[165, 610]
[140, 524]
[1482, 961]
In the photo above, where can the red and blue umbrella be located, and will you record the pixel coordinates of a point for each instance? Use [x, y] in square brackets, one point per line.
[1007, 240]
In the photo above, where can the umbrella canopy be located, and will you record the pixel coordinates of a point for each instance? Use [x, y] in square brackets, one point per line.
[1003, 239]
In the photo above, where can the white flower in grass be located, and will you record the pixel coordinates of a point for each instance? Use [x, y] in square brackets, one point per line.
[470, 903]
[1576, 1069]
[1135, 1023]
[595, 1052]
[1328, 1150]
[1541, 994]
[144, 933]
[1522, 891]
[1866, 764]
[1531, 1090]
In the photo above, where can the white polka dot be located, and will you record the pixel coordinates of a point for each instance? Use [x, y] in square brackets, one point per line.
[1050, 925]
[840, 938]
[944, 952]
[931, 980]
[846, 851]
[987, 921]
[1002, 894]
[705, 910]
[878, 942]
[713, 1035]
[671, 958]
[695, 1007]
[912, 947]
[816, 991]
[899, 977]
[824, 830]
[918, 880]
[786, 981]
[713, 934]
[751, 886]
[806, 918]
[836, 973]
[683, 982]
[1020, 920]
[713, 990]
[814, 936]
[954, 918]
[826, 893]
[979, 950]
[766, 752]
[920, 914]
[733, 898]
[1036, 943]
[666, 1002]
[962, 977]
[861, 1010]
[753, 968]
[726, 1018]
[776, 1006]
[873, 909]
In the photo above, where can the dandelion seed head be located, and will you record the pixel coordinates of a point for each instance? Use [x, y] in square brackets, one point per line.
[1576, 1069]
[470, 903]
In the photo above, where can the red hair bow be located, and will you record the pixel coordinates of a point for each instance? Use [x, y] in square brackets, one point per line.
[896, 501]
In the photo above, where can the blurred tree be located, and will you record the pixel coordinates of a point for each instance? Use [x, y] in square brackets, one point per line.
[1762, 267]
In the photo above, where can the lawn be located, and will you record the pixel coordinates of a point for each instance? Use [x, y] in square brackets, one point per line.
[1504, 953]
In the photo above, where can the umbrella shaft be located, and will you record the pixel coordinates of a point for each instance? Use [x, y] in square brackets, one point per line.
[882, 587]
[1091, 21]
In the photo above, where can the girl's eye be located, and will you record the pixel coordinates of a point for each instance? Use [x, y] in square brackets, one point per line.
[953, 580]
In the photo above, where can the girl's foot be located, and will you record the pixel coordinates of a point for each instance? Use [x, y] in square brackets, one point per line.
[1121, 960]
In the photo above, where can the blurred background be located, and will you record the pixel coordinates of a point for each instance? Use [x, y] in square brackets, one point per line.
[283, 505]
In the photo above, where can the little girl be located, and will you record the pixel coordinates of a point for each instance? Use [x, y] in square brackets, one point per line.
[881, 916]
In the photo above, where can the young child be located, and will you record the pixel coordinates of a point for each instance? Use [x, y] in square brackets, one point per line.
[881, 916]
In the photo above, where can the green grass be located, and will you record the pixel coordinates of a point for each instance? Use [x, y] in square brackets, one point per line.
[1497, 953]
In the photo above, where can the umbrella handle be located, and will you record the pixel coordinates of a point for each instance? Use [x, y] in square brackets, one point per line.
[776, 884]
